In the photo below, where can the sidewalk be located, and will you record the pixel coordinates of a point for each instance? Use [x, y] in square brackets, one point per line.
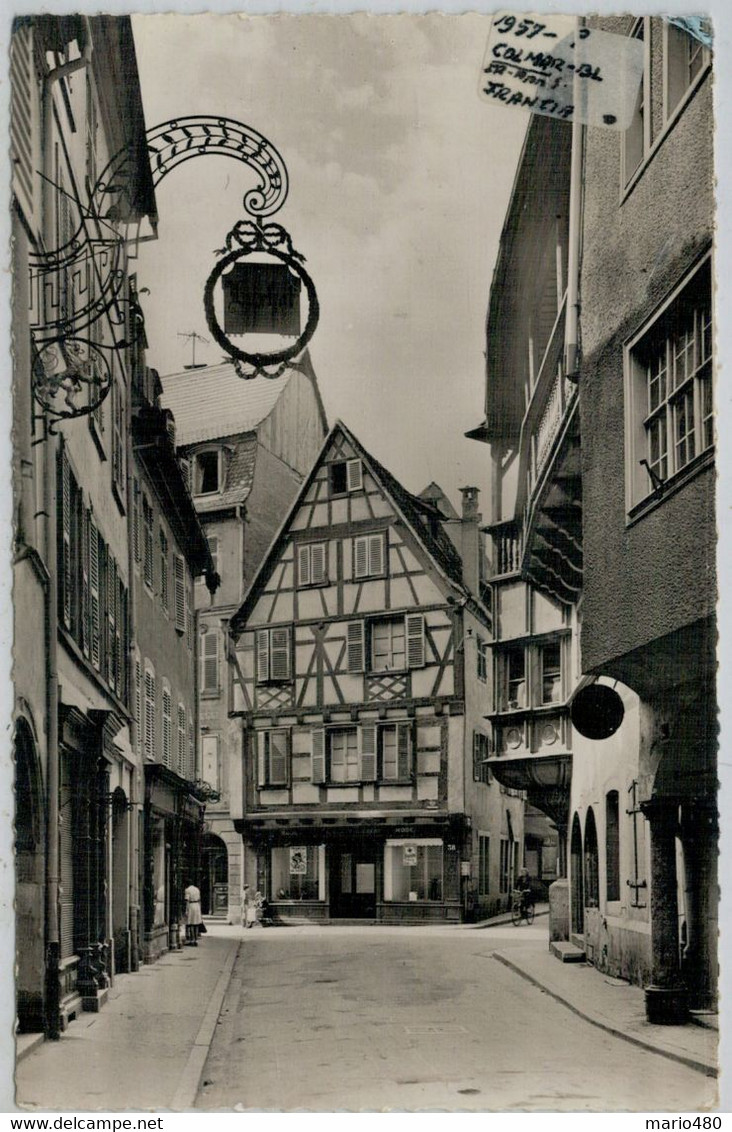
[146, 1048]
[505, 918]
[612, 1004]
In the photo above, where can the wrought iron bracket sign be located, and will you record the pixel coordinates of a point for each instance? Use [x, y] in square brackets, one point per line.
[76, 285]
[276, 242]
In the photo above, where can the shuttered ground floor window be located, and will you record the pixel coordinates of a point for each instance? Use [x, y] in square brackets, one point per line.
[413, 870]
[298, 872]
[66, 856]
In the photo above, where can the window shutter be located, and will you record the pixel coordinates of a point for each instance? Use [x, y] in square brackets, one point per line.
[164, 587]
[167, 727]
[180, 594]
[318, 572]
[414, 627]
[94, 592]
[280, 655]
[149, 713]
[262, 656]
[360, 557]
[191, 772]
[210, 661]
[354, 475]
[367, 742]
[138, 705]
[376, 554]
[317, 772]
[355, 646]
[279, 747]
[85, 611]
[303, 565]
[136, 521]
[181, 740]
[25, 120]
[185, 467]
[476, 757]
[120, 639]
[147, 534]
[262, 758]
[404, 750]
[111, 607]
[65, 542]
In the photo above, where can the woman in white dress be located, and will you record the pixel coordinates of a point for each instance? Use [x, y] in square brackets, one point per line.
[193, 914]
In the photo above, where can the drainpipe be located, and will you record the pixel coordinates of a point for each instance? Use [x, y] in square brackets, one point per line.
[571, 333]
[53, 943]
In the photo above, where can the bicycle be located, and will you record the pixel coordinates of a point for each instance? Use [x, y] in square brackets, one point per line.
[522, 907]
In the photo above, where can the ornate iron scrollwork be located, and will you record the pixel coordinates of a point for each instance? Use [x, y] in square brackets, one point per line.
[74, 286]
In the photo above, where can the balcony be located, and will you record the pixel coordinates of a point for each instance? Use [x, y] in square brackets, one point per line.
[549, 500]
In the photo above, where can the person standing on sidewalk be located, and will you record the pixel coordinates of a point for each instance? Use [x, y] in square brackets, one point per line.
[249, 908]
[193, 914]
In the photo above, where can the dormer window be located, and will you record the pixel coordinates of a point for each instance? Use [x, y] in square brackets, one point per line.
[345, 476]
[208, 472]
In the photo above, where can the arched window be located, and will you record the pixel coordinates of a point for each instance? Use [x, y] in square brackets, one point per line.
[592, 869]
[612, 845]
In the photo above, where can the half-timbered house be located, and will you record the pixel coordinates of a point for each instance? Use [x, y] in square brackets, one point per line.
[358, 662]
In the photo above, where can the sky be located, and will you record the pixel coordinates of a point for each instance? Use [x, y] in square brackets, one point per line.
[399, 182]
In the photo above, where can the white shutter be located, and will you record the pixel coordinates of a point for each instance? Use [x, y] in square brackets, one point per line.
[317, 766]
[262, 656]
[376, 554]
[167, 727]
[354, 475]
[360, 557]
[149, 713]
[303, 565]
[280, 654]
[318, 572]
[367, 752]
[180, 594]
[355, 646]
[138, 704]
[262, 745]
[414, 627]
[94, 592]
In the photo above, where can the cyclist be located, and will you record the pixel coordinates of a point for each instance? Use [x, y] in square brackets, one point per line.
[523, 885]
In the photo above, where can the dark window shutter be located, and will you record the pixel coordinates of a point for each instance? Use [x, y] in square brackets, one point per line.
[278, 758]
[367, 741]
[167, 727]
[85, 605]
[210, 661]
[262, 744]
[404, 750]
[318, 572]
[317, 768]
[414, 626]
[262, 656]
[280, 654]
[65, 539]
[136, 518]
[94, 595]
[355, 646]
[476, 756]
[376, 554]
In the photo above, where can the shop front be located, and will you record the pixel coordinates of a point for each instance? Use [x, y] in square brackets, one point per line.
[173, 832]
[385, 872]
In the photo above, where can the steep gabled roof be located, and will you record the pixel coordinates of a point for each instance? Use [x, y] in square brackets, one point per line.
[419, 515]
[212, 403]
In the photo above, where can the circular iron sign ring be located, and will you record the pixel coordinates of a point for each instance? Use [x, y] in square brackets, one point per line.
[226, 344]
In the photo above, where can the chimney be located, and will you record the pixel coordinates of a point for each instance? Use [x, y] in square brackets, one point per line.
[470, 526]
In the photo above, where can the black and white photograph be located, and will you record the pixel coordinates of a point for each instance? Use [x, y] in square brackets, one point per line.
[364, 719]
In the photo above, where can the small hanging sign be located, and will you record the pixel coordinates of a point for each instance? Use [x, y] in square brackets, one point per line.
[298, 860]
[410, 856]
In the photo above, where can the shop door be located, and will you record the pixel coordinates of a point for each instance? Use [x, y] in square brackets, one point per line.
[353, 883]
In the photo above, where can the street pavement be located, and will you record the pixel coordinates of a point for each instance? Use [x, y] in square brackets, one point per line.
[370, 1018]
[366, 1017]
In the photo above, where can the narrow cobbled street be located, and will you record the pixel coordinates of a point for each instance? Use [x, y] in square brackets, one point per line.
[410, 1018]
